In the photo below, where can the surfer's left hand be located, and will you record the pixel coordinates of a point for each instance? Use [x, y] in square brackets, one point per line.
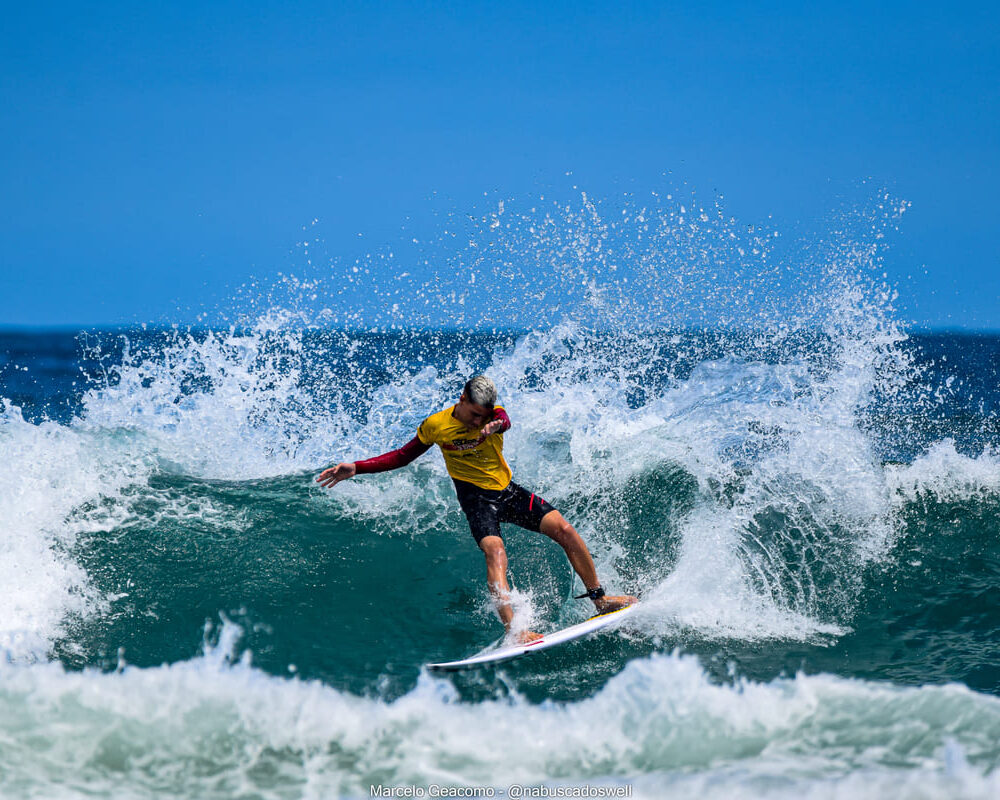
[491, 428]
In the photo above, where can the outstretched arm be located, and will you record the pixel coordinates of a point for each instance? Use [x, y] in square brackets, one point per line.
[383, 463]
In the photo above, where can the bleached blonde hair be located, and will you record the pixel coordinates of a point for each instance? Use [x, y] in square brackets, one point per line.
[481, 391]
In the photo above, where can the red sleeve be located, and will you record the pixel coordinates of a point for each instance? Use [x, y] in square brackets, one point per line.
[500, 414]
[393, 460]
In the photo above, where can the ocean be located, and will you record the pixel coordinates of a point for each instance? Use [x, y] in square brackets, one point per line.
[806, 504]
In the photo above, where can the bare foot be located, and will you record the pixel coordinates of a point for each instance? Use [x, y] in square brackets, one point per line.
[526, 637]
[609, 603]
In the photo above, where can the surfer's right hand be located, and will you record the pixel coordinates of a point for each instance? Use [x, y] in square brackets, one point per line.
[334, 475]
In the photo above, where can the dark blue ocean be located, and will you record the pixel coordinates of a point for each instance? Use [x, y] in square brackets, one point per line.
[806, 499]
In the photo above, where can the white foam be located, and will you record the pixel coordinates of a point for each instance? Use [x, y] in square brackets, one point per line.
[921, 783]
[205, 728]
[223, 405]
[53, 480]
[947, 475]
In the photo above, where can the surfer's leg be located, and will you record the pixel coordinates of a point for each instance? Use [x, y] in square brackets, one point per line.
[482, 512]
[496, 576]
[496, 579]
[555, 526]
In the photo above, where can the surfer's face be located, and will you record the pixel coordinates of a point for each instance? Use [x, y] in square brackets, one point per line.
[472, 415]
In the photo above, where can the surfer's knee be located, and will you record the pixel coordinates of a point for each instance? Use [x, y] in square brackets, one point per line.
[497, 559]
[555, 526]
[493, 550]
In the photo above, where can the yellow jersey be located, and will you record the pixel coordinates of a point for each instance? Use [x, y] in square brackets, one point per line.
[467, 455]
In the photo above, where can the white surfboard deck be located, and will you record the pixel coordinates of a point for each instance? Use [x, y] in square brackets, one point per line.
[548, 640]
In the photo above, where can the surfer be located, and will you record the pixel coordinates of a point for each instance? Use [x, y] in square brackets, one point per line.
[470, 435]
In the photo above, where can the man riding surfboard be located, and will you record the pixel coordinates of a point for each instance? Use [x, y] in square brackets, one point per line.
[470, 435]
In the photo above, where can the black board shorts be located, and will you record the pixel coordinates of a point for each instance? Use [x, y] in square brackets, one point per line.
[487, 508]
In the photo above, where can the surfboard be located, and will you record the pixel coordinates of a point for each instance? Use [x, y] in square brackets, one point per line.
[561, 636]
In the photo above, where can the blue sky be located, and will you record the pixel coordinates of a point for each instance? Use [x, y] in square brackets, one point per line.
[154, 157]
